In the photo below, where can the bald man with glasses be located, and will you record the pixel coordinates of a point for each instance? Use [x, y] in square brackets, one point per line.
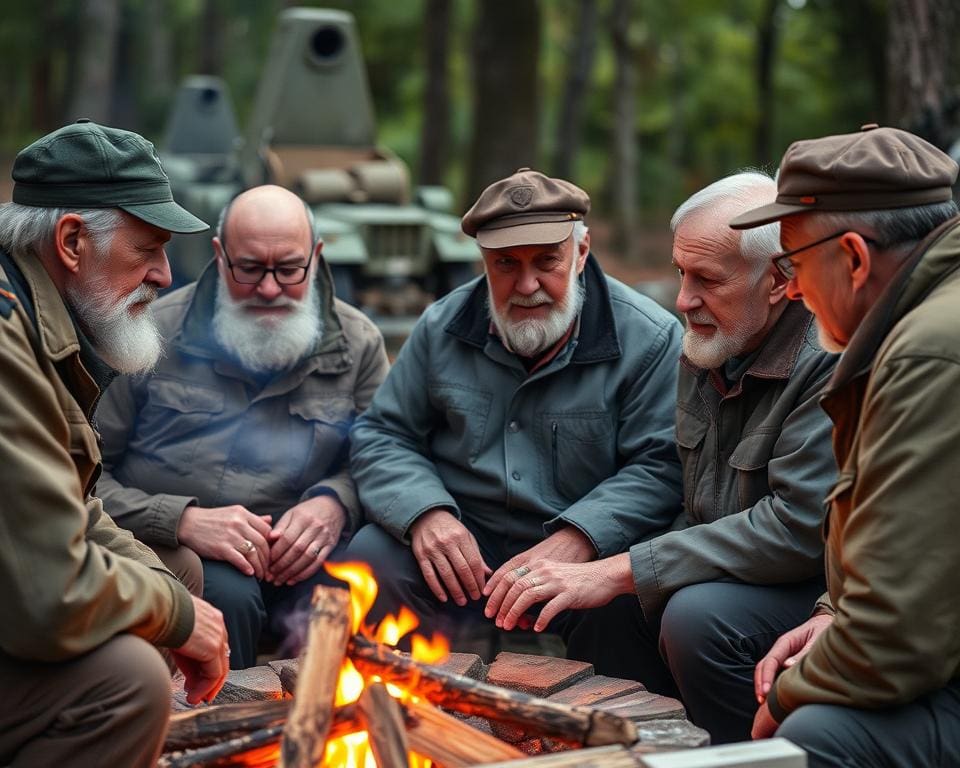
[236, 445]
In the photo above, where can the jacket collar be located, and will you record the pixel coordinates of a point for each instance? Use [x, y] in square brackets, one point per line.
[331, 354]
[934, 258]
[776, 357]
[598, 340]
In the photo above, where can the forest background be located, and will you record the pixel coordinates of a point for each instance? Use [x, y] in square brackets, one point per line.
[641, 102]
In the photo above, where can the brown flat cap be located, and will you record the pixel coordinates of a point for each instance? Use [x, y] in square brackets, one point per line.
[526, 208]
[875, 169]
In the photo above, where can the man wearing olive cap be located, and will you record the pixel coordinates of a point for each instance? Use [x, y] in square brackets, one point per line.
[530, 414]
[84, 604]
[871, 244]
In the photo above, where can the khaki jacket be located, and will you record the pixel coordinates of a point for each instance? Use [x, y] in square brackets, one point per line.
[892, 544]
[200, 429]
[71, 578]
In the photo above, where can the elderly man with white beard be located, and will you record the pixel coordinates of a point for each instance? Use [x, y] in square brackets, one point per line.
[85, 606]
[236, 445]
[529, 415]
[744, 562]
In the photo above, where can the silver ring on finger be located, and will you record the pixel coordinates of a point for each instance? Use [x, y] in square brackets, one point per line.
[316, 551]
[534, 581]
[521, 571]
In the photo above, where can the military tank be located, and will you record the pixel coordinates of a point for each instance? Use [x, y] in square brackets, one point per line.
[391, 247]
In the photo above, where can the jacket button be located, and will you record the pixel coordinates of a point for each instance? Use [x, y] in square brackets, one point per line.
[515, 475]
[513, 426]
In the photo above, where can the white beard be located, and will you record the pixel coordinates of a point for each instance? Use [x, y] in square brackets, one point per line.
[530, 337]
[713, 351]
[267, 343]
[128, 343]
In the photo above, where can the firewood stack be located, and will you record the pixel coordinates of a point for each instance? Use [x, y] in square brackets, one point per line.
[293, 733]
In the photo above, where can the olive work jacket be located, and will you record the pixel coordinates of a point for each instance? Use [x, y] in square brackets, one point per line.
[892, 542]
[586, 440]
[757, 464]
[71, 578]
[201, 430]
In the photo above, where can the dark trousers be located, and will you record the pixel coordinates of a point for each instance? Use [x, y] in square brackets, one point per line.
[107, 707]
[252, 609]
[924, 733]
[703, 648]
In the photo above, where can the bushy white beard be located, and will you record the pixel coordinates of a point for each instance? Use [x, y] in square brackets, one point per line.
[530, 337]
[713, 351]
[263, 343]
[128, 343]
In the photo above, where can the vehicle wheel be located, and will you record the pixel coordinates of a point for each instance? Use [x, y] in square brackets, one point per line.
[454, 274]
[343, 283]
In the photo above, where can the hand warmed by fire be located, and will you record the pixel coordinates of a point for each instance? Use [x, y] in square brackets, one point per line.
[353, 750]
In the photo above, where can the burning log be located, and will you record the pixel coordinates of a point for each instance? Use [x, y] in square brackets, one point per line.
[451, 742]
[381, 716]
[306, 731]
[207, 725]
[462, 694]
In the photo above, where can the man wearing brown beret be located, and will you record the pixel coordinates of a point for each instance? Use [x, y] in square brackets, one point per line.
[530, 414]
[84, 604]
[871, 242]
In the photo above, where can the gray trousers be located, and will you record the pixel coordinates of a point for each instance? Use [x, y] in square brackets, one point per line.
[924, 733]
[702, 649]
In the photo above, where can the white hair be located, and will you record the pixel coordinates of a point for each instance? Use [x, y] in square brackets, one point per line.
[741, 192]
[29, 230]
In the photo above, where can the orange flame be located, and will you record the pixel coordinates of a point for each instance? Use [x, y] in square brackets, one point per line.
[353, 750]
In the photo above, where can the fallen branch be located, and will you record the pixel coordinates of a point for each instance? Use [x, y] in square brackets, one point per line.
[577, 725]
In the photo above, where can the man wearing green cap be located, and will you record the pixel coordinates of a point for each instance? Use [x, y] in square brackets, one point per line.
[871, 242]
[81, 258]
[530, 414]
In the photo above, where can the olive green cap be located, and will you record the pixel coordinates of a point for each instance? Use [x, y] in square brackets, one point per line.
[874, 169]
[527, 208]
[85, 165]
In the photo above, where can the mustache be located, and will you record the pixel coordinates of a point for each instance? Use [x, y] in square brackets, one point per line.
[534, 300]
[145, 293]
[256, 301]
[700, 318]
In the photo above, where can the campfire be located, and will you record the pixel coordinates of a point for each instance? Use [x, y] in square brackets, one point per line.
[358, 703]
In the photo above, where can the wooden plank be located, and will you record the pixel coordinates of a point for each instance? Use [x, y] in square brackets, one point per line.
[769, 753]
[596, 757]
[595, 689]
[536, 675]
[643, 705]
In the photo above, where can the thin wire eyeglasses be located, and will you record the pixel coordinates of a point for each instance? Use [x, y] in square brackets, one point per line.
[252, 274]
[782, 260]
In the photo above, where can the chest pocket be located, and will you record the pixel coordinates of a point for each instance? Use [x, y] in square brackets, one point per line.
[175, 418]
[327, 419]
[691, 431]
[583, 451]
[84, 451]
[465, 411]
[750, 458]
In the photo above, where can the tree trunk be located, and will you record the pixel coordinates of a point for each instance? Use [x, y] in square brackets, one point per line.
[624, 167]
[92, 93]
[158, 75]
[435, 129]
[506, 91]
[919, 48]
[766, 54]
[584, 44]
[211, 39]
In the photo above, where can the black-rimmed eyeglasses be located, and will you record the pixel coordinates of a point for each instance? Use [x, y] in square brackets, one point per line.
[782, 260]
[252, 274]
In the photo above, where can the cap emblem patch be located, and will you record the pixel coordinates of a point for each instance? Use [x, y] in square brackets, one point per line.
[521, 196]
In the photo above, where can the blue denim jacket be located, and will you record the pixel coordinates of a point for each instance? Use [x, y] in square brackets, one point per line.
[587, 440]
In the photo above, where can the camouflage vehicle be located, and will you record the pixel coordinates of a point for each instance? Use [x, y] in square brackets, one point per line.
[312, 130]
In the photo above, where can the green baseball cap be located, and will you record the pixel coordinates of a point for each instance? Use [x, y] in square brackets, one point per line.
[85, 165]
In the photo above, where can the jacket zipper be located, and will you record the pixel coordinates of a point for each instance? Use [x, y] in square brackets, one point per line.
[556, 463]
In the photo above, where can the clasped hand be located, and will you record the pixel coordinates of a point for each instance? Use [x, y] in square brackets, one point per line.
[286, 553]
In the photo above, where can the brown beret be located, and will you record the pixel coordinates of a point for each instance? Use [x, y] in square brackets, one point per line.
[526, 208]
[875, 169]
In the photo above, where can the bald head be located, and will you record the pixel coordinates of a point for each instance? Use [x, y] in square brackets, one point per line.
[264, 209]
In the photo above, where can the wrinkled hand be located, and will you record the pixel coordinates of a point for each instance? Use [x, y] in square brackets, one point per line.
[568, 545]
[221, 533]
[304, 537]
[204, 657]
[787, 651]
[448, 556]
[764, 726]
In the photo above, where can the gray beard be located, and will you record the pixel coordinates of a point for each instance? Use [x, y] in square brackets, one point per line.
[127, 343]
[529, 338]
[266, 344]
[712, 352]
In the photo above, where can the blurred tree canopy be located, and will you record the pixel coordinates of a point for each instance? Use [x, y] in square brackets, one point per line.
[639, 101]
